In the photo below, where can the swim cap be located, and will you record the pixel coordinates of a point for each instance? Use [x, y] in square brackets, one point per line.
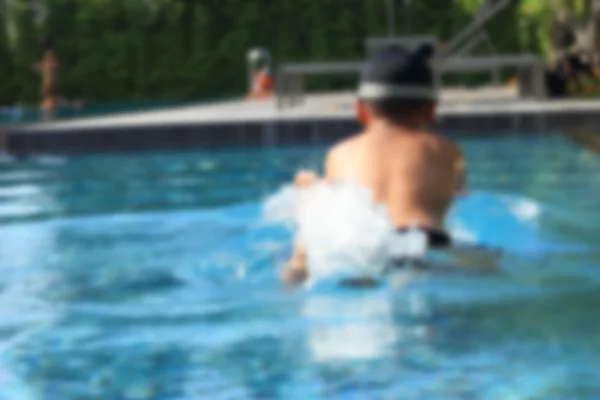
[399, 73]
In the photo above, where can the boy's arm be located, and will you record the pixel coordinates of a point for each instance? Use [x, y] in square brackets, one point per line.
[296, 271]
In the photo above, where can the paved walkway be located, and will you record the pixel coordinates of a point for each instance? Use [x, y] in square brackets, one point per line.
[315, 105]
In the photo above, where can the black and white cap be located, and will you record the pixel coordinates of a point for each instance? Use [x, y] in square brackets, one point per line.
[399, 73]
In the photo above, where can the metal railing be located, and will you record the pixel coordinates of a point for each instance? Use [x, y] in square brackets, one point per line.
[290, 79]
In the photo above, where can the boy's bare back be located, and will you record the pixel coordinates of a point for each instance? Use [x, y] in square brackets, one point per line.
[416, 174]
[413, 172]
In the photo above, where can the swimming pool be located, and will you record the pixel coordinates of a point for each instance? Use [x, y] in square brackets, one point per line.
[152, 277]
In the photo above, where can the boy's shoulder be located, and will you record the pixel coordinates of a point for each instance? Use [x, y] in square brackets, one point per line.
[447, 145]
[344, 145]
[339, 152]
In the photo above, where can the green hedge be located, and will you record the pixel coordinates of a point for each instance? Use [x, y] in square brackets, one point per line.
[177, 50]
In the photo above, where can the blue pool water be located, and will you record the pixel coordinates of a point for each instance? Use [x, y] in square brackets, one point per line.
[154, 277]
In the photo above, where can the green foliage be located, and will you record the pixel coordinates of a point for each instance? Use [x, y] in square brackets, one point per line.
[134, 50]
[7, 87]
[27, 44]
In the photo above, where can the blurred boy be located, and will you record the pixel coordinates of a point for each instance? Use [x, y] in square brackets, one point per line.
[407, 167]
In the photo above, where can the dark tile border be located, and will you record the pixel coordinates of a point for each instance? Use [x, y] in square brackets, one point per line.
[289, 132]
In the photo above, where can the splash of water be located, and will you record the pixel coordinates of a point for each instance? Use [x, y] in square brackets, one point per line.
[346, 233]
[343, 231]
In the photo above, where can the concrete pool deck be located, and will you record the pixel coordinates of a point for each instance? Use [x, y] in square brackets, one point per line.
[322, 118]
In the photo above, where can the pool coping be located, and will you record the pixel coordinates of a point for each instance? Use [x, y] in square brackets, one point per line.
[255, 124]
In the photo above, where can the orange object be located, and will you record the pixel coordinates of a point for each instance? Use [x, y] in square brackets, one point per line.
[264, 81]
[262, 85]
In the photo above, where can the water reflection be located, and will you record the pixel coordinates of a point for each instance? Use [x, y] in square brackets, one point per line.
[27, 190]
[366, 326]
[153, 307]
[352, 328]
[25, 256]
